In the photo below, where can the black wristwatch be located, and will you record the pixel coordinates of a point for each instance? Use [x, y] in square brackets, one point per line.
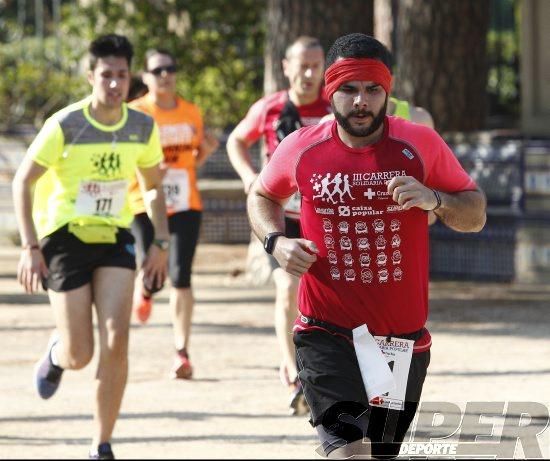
[162, 244]
[269, 241]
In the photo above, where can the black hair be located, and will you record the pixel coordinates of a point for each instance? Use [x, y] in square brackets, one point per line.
[358, 46]
[110, 45]
[154, 51]
[137, 88]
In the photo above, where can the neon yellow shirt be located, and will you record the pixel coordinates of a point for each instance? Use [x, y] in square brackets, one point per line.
[402, 108]
[90, 166]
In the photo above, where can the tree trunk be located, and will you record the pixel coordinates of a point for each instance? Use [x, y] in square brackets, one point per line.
[442, 60]
[383, 22]
[324, 19]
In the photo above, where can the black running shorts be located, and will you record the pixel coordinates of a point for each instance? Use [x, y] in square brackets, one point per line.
[332, 383]
[71, 262]
[184, 235]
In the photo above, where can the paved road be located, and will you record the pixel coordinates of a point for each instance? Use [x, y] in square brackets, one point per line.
[491, 343]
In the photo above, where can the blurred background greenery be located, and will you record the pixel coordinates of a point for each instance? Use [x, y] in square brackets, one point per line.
[219, 45]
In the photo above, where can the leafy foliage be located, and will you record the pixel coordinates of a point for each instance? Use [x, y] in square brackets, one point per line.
[218, 46]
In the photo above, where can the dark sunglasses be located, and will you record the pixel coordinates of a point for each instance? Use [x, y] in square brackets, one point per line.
[159, 70]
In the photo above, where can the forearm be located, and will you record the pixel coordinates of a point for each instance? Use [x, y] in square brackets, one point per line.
[239, 157]
[157, 207]
[201, 157]
[22, 199]
[208, 146]
[265, 215]
[463, 211]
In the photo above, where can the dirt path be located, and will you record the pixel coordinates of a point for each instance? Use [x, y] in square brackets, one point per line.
[491, 343]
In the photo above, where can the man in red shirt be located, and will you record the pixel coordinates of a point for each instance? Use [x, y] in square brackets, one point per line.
[272, 118]
[367, 181]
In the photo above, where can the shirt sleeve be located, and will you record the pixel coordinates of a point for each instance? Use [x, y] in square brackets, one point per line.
[152, 153]
[251, 127]
[47, 148]
[443, 171]
[278, 177]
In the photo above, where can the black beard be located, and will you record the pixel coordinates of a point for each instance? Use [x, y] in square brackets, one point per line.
[343, 120]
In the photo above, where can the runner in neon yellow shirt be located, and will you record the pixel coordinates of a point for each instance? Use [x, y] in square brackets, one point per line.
[79, 244]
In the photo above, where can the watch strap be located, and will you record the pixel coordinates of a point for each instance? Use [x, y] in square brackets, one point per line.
[269, 241]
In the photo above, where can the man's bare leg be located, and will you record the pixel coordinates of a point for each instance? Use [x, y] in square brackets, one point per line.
[112, 289]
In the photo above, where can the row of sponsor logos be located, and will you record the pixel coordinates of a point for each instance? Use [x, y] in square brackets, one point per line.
[361, 227]
[367, 275]
[365, 259]
[354, 211]
[362, 243]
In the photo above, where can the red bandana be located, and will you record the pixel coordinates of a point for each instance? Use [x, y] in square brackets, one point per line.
[350, 69]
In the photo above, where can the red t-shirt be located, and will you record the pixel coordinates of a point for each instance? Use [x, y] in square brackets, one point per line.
[372, 265]
[262, 117]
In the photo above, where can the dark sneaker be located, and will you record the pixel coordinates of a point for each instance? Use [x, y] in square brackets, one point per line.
[298, 405]
[103, 451]
[47, 376]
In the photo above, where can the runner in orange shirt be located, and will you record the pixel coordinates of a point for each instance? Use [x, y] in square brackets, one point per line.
[185, 149]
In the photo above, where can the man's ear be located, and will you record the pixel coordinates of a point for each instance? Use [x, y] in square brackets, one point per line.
[90, 76]
[285, 65]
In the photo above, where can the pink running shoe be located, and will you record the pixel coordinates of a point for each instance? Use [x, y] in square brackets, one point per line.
[182, 368]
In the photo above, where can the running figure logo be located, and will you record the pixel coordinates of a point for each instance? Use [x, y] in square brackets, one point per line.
[107, 164]
[323, 185]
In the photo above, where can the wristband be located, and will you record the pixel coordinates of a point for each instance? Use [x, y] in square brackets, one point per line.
[438, 198]
[34, 246]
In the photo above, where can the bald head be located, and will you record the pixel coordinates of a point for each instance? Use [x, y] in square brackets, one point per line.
[302, 43]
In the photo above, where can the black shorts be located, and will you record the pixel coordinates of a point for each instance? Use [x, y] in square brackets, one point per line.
[184, 235]
[71, 262]
[292, 230]
[332, 383]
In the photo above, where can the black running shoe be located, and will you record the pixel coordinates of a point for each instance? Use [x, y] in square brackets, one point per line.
[103, 451]
[47, 376]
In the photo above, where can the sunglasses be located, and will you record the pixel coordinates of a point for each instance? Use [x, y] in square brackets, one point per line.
[159, 70]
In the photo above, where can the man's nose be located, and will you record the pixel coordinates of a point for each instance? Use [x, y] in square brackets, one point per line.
[360, 99]
[113, 83]
[308, 73]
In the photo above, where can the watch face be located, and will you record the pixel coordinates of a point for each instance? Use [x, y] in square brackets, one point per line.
[162, 244]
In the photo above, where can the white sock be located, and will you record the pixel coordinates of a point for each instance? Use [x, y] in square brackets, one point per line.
[53, 355]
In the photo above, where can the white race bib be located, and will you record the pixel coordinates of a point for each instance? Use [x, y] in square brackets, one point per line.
[176, 190]
[377, 376]
[101, 198]
[398, 353]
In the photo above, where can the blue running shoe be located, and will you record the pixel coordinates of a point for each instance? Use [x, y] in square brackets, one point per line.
[47, 376]
[103, 451]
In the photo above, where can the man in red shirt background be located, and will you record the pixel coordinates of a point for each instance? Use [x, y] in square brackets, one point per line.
[271, 119]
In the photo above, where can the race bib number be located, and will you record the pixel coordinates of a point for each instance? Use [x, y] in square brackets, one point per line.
[293, 206]
[398, 354]
[101, 198]
[176, 190]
